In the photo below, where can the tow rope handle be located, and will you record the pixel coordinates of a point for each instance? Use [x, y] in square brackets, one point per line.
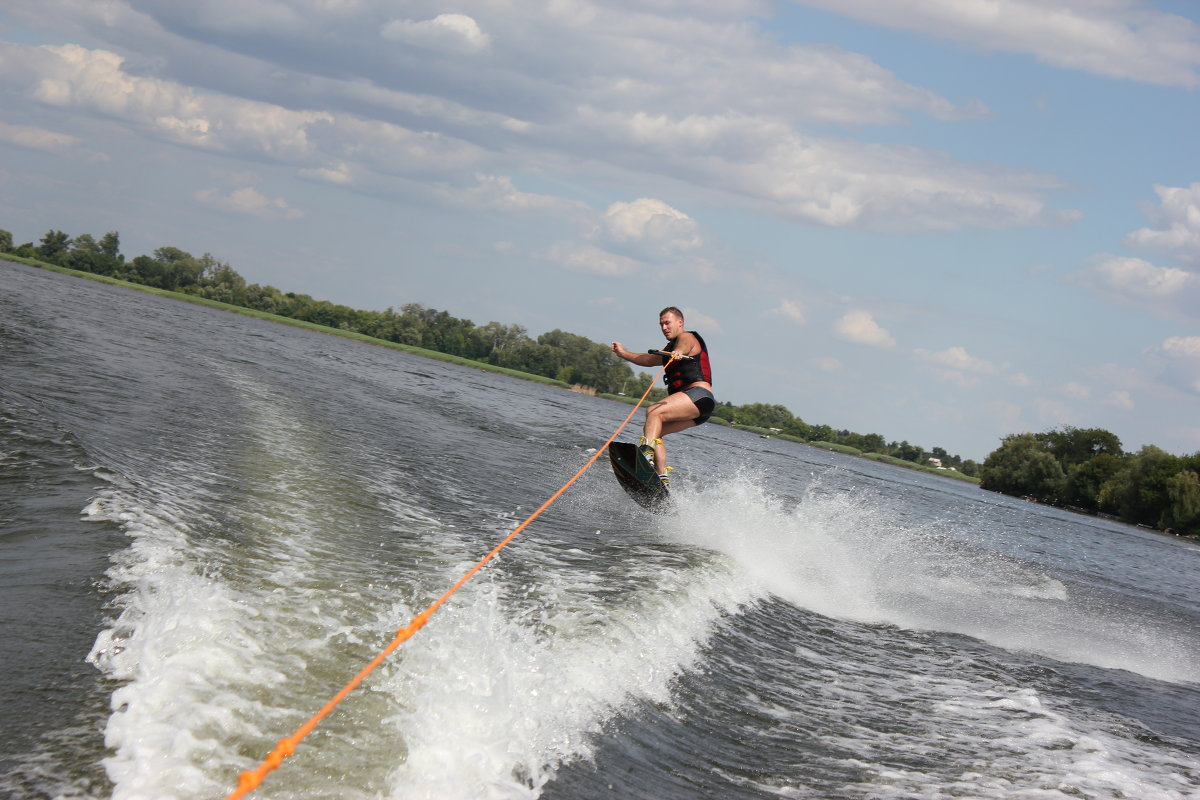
[670, 356]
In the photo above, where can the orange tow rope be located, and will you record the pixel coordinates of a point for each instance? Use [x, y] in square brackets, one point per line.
[249, 780]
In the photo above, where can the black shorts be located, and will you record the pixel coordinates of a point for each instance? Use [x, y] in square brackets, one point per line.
[705, 401]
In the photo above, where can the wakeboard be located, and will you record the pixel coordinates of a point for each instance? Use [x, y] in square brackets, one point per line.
[637, 476]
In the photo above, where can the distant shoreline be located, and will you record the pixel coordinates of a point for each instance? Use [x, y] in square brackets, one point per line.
[466, 362]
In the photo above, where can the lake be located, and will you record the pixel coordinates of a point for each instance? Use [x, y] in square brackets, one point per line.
[210, 523]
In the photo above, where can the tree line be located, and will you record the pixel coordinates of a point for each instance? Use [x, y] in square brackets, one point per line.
[1086, 469]
[557, 354]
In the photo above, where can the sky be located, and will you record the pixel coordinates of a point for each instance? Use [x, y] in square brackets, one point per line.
[943, 221]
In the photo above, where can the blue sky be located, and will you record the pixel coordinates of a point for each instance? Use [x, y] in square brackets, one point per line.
[942, 221]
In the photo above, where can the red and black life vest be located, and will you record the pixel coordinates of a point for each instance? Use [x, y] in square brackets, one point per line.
[684, 373]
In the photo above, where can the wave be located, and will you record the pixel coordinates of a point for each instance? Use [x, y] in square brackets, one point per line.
[237, 617]
[853, 555]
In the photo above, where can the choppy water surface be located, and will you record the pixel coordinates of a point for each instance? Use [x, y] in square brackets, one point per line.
[210, 523]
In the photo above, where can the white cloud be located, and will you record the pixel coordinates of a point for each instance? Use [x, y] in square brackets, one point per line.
[36, 138]
[438, 110]
[638, 58]
[1165, 291]
[454, 33]
[957, 378]
[694, 101]
[626, 238]
[957, 358]
[953, 363]
[1121, 399]
[333, 148]
[340, 173]
[75, 77]
[650, 226]
[587, 258]
[250, 201]
[1076, 390]
[860, 327]
[1170, 292]
[246, 17]
[1177, 362]
[497, 192]
[700, 321]
[1143, 279]
[766, 164]
[390, 149]
[1116, 38]
[829, 365]
[788, 309]
[1178, 220]
[1185, 347]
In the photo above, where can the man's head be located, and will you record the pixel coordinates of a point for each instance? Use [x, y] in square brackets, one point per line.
[671, 310]
[670, 321]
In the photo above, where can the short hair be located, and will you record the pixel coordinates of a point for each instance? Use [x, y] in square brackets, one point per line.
[671, 310]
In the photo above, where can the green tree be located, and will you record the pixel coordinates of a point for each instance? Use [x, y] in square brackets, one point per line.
[110, 245]
[265, 298]
[1085, 480]
[219, 281]
[55, 244]
[799, 428]
[499, 344]
[872, 443]
[1138, 492]
[724, 410]
[907, 452]
[762, 415]
[583, 361]
[821, 433]
[147, 271]
[171, 255]
[6, 241]
[1023, 466]
[868, 443]
[170, 268]
[1183, 511]
[84, 255]
[1073, 446]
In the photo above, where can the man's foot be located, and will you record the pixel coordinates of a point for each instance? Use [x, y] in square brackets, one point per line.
[647, 448]
[665, 481]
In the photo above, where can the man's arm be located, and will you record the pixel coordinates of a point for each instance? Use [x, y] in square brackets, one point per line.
[641, 359]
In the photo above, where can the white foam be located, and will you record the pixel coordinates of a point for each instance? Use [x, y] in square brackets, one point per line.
[915, 729]
[799, 555]
[849, 557]
[223, 644]
[224, 647]
[178, 637]
[494, 704]
[1008, 744]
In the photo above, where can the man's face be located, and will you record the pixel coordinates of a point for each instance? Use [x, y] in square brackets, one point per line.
[670, 325]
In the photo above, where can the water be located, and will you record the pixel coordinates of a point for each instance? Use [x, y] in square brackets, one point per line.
[210, 523]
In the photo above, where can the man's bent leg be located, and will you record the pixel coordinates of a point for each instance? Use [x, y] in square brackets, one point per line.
[674, 413]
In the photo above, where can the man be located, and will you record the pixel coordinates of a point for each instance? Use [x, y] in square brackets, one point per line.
[689, 401]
